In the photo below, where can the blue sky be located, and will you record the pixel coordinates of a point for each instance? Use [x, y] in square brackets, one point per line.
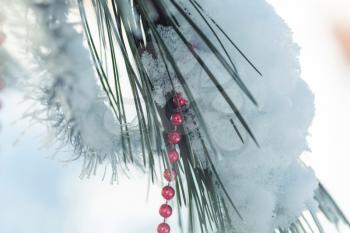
[30, 196]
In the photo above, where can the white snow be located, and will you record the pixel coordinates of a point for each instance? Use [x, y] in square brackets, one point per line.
[270, 185]
[63, 83]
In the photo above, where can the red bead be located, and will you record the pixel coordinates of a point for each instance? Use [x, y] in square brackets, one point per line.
[168, 193]
[174, 137]
[179, 101]
[169, 176]
[163, 228]
[176, 119]
[173, 156]
[165, 211]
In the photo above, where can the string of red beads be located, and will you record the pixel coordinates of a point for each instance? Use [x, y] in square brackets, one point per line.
[173, 138]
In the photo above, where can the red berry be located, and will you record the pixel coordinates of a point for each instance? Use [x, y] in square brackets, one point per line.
[165, 211]
[173, 156]
[176, 119]
[168, 193]
[179, 101]
[163, 228]
[174, 137]
[169, 176]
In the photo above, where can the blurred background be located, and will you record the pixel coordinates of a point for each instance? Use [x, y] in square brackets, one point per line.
[322, 30]
[39, 194]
